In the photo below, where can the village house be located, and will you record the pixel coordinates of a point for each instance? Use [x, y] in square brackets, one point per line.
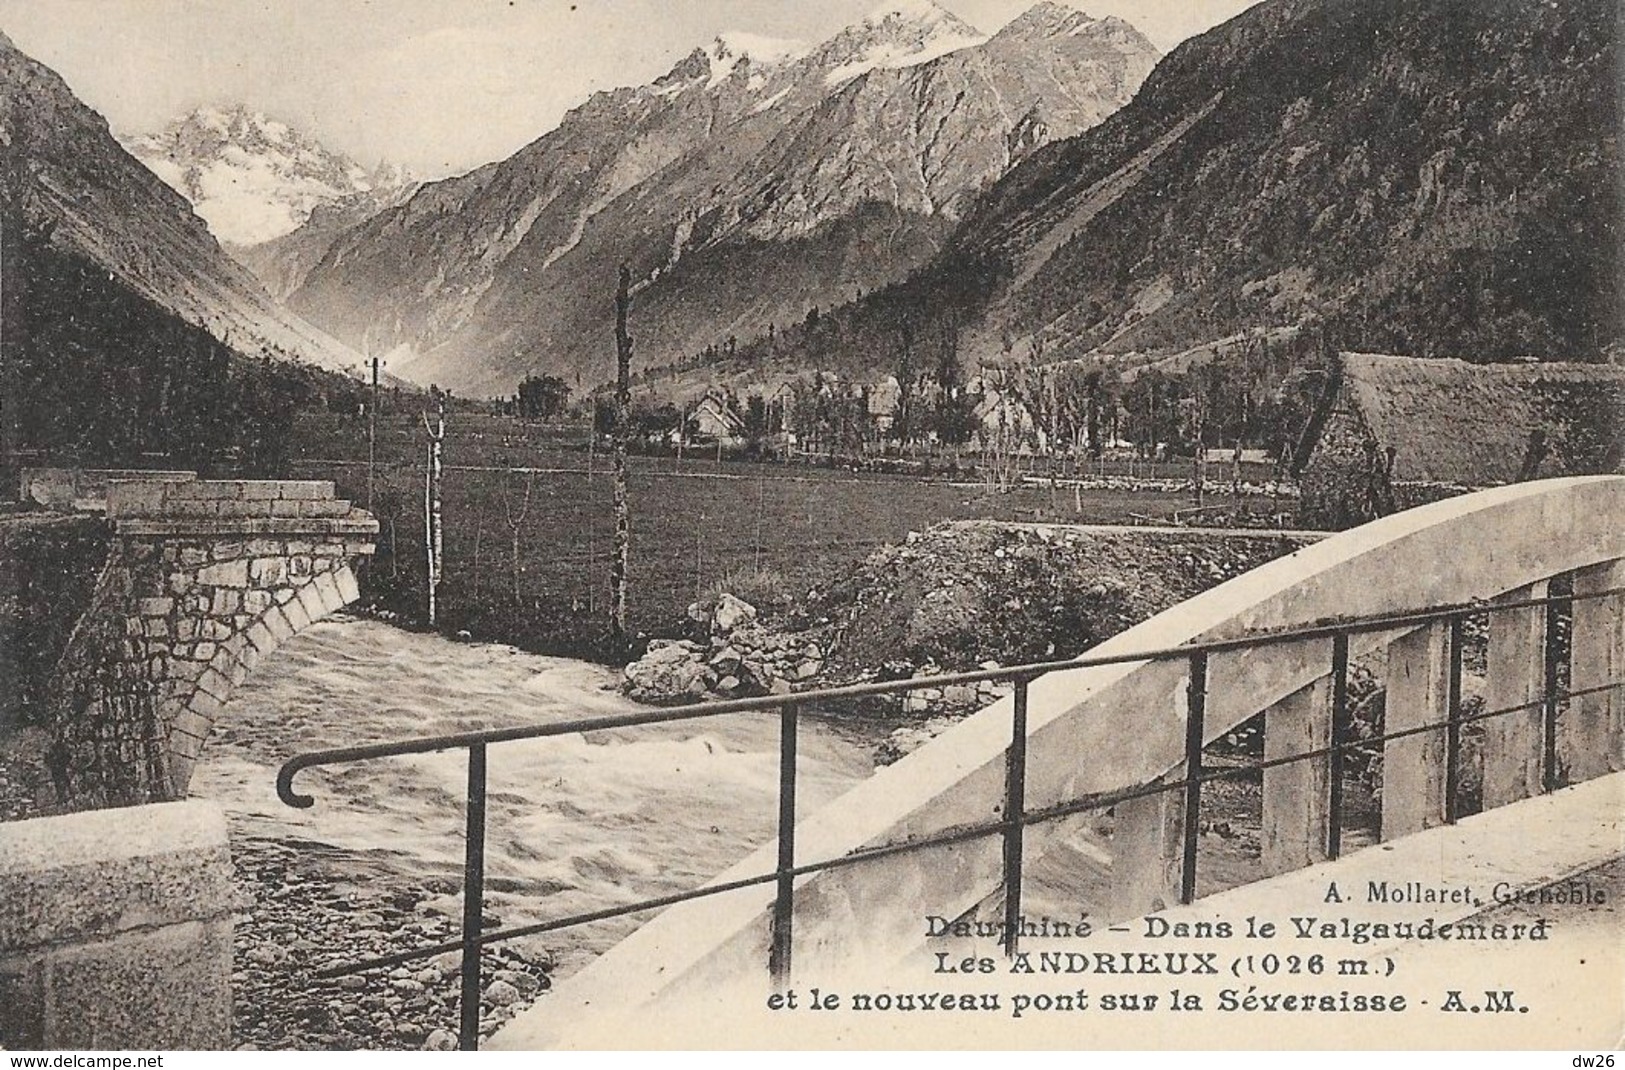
[715, 418]
[1395, 432]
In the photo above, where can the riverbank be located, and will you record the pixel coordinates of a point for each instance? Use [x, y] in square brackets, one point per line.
[308, 908]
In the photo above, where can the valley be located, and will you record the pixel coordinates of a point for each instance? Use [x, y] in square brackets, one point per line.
[424, 376]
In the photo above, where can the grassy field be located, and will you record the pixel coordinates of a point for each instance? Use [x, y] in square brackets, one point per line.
[695, 522]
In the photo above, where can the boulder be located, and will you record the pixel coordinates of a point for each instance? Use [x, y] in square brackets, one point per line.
[729, 613]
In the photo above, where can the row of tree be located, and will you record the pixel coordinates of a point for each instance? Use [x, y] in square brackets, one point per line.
[1252, 391]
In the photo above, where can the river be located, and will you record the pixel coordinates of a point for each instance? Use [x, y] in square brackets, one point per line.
[574, 823]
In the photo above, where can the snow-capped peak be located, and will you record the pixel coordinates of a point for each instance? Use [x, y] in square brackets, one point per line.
[916, 11]
[899, 33]
[730, 48]
[759, 48]
[252, 178]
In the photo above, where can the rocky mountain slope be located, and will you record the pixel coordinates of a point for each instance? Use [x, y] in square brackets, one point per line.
[282, 264]
[754, 181]
[97, 201]
[1339, 164]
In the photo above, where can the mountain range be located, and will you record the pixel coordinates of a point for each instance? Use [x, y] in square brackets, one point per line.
[1334, 165]
[74, 181]
[753, 182]
[1427, 177]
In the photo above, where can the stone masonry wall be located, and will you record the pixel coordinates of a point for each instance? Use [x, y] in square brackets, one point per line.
[115, 930]
[202, 581]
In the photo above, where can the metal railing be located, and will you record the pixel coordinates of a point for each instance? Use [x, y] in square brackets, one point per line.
[1016, 815]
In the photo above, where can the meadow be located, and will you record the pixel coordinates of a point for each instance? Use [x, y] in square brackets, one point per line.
[527, 523]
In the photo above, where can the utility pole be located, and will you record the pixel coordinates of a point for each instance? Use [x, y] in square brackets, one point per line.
[372, 433]
[432, 542]
[623, 418]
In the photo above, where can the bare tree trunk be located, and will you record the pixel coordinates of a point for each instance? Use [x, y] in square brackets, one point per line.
[516, 523]
[1049, 380]
[623, 407]
[432, 542]
[1199, 476]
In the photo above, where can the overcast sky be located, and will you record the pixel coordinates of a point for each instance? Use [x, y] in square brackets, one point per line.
[440, 86]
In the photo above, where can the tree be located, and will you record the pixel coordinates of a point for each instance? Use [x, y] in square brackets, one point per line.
[954, 420]
[757, 425]
[903, 415]
[543, 397]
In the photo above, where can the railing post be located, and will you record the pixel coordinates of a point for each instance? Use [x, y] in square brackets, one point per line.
[1452, 734]
[1338, 757]
[1591, 734]
[1293, 830]
[1551, 694]
[1413, 768]
[784, 901]
[1195, 715]
[1515, 675]
[1015, 810]
[468, 1032]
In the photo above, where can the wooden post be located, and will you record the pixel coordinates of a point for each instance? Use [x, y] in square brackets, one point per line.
[1591, 732]
[1413, 768]
[1516, 676]
[1296, 794]
[623, 415]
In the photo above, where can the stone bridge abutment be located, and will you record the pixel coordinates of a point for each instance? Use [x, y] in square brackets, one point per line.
[203, 579]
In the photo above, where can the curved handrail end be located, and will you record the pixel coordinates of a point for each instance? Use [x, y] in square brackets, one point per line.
[284, 784]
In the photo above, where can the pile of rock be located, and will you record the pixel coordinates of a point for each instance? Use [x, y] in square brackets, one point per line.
[738, 658]
[953, 698]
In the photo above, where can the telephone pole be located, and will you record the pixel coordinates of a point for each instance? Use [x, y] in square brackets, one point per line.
[623, 418]
[372, 433]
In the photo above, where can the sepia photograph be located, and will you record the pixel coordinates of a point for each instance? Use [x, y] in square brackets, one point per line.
[1088, 525]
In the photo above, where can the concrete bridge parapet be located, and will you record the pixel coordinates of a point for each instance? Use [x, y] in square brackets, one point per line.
[1126, 724]
[203, 579]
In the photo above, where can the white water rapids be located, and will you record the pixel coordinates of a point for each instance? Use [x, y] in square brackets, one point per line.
[574, 823]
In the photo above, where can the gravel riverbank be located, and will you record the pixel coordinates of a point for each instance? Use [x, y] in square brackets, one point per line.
[299, 918]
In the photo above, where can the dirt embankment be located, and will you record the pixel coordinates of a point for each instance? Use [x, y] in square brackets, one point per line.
[963, 594]
[957, 597]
